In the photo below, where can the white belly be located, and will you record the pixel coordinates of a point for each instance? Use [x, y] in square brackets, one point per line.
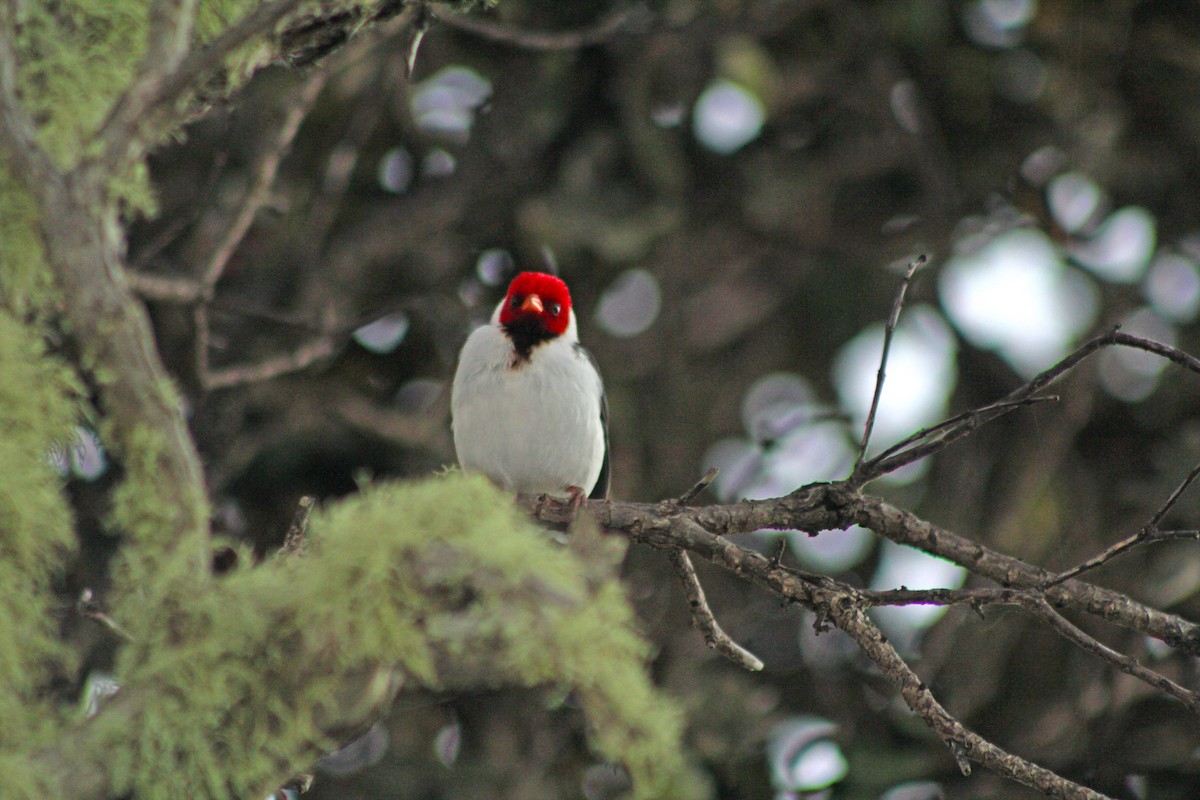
[535, 428]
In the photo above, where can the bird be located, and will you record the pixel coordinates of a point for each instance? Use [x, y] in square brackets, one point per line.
[527, 404]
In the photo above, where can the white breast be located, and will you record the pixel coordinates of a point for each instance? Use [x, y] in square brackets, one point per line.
[535, 427]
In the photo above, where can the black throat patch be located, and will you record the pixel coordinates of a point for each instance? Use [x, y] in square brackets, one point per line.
[526, 333]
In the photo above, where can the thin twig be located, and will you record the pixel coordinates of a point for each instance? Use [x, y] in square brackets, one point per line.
[294, 543]
[301, 358]
[971, 421]
[1127, 664]
[967, 418]
[964, 744]
[709, 476]
[703, 617]
[264, 173]
[88, 606]
[164, 288]
[1148, 533]
[888, 332]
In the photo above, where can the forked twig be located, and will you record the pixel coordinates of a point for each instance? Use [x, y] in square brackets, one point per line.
[964, 424]
[703, 618]
[1127, 664]
[934, 438]
[1147, 533]
[888, 332]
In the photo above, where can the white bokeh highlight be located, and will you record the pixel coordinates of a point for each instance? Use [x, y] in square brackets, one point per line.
[919, 376]
[1014, 295]
[1121, 247]
[630, 305]
[727, 117]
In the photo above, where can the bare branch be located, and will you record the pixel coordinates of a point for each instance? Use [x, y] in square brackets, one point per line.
[900, 455]
[703, 618]
[967, 423]
[834, 506]
[1126, 664]
[888, 332]
[963, 743]
[301, 358]
[903, 527]
[123, 135]
[267, 167]
[822, 504]
[1148, 533]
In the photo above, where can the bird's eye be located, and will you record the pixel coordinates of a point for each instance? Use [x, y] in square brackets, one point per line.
[554, 308]
[515, 301]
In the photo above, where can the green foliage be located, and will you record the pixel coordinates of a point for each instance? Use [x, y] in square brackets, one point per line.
[38, 404]
[441, 581]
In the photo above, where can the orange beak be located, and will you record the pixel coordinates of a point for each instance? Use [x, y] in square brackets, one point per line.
[532, 302]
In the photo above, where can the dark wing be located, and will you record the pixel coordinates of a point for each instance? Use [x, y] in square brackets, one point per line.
[600, 490]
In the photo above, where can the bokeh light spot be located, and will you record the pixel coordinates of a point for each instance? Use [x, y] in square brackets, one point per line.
[998, 23]
[727, 117]
[1121, 248]
[832, 551]
[384, 334]
[803, 755]
[88, 458]
[494, 266]
[915, 790]
[445, 103]
[904, 105]
[1014, 295]
[1074, 200]
[630, 305]
[1173, 287]
[920, 374]
[775, 404]
[438, 163]
[396, 170]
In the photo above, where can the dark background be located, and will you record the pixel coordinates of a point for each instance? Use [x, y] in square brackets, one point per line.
[891, 128]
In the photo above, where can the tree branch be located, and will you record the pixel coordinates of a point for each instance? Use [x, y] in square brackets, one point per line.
[703, 617]
[825, 507]
[84, 245]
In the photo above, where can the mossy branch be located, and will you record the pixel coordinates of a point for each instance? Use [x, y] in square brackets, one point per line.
[440, 585]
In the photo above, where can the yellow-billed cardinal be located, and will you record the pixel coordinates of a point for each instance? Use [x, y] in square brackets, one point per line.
[528, 404]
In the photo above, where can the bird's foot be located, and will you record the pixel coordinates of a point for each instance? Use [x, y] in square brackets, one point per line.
[576, 497]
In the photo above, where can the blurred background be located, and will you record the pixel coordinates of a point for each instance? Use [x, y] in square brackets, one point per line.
[732, 189]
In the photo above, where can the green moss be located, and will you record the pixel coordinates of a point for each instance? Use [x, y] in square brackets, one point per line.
[431, 585]
[25, 281]
[38, 401]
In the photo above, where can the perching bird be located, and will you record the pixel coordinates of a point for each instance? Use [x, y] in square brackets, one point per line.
[528, 404]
